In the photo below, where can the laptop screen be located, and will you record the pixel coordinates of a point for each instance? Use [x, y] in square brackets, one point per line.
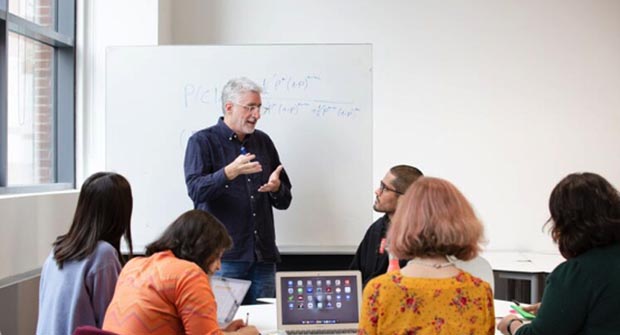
[318, 298]
[229, 294]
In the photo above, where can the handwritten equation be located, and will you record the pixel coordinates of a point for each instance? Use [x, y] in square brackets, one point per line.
[275, 89]
[318, 109]
[200, 95]
[277, 83]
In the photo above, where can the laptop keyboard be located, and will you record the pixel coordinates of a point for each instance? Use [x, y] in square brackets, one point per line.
[322, 331]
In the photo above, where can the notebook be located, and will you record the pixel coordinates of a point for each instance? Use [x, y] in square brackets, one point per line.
[318, 302]
[229, 294]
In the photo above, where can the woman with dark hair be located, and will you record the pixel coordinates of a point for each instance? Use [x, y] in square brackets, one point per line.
[582, 295]
[430, 295]
[79, 275]
[168, 292]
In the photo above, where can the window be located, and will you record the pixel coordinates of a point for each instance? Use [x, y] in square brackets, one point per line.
[37, 113]
[40, 12]
[30, 119]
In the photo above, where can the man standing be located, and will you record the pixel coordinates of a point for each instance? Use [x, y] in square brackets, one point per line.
[371, 257]
[233, 171]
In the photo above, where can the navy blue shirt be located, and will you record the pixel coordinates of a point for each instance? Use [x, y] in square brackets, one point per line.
[371, 259]
[246, 213]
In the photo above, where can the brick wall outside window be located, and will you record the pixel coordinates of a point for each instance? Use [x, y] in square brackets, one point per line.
[43, 104]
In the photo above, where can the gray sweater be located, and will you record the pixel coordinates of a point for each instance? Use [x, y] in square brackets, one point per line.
[78, 294]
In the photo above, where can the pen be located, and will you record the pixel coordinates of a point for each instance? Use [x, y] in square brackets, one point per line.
[247, 318]
[516, 302]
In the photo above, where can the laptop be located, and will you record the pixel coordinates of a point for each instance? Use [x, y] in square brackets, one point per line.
[229, 294]
[318, 302]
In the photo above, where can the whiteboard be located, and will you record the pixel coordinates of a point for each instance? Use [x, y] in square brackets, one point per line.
[320, 119]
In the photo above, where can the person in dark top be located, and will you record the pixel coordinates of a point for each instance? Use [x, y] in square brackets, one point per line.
[582, 295]
[233, 171]
[371, 258]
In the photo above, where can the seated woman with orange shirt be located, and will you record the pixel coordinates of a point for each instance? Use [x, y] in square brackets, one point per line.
[430, 295]
[168, 292]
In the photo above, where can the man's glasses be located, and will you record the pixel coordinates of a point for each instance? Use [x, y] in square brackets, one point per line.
[383, 187]
[251, 109]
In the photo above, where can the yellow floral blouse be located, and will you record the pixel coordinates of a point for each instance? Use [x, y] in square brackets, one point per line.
[459, 305]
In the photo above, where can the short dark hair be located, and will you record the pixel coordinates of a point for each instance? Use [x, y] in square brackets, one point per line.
[195, 236]
[103, 213]
[585, 213]
[404, 176]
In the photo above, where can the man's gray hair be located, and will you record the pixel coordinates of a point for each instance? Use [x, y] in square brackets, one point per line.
[235, 87]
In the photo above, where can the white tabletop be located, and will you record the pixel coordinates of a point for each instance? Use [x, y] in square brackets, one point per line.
[318, 250]
[528, 262]
[263, 316]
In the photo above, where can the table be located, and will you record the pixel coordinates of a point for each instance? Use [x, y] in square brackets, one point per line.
[531, 266]
[263, 316]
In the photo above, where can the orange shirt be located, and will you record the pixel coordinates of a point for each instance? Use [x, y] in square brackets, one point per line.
[394, 304]
[162, 295]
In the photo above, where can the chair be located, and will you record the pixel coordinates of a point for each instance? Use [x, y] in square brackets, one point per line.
[90, 330]
[478, 267]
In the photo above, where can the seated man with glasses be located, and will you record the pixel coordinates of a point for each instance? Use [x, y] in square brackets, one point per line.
[233, 171]
[372, 257]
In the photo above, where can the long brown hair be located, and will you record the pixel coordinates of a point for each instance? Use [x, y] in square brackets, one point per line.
[103, 213]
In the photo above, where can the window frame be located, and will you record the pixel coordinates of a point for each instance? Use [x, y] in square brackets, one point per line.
[61, 37]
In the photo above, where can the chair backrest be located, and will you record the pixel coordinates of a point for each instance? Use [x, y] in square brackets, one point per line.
[90, 330]
[478, 267]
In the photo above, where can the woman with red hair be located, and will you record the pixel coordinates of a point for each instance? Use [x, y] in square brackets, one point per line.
[432, 221]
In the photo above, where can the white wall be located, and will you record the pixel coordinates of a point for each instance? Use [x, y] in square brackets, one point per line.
[30, 223]
[104, 23]
[456, 85]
